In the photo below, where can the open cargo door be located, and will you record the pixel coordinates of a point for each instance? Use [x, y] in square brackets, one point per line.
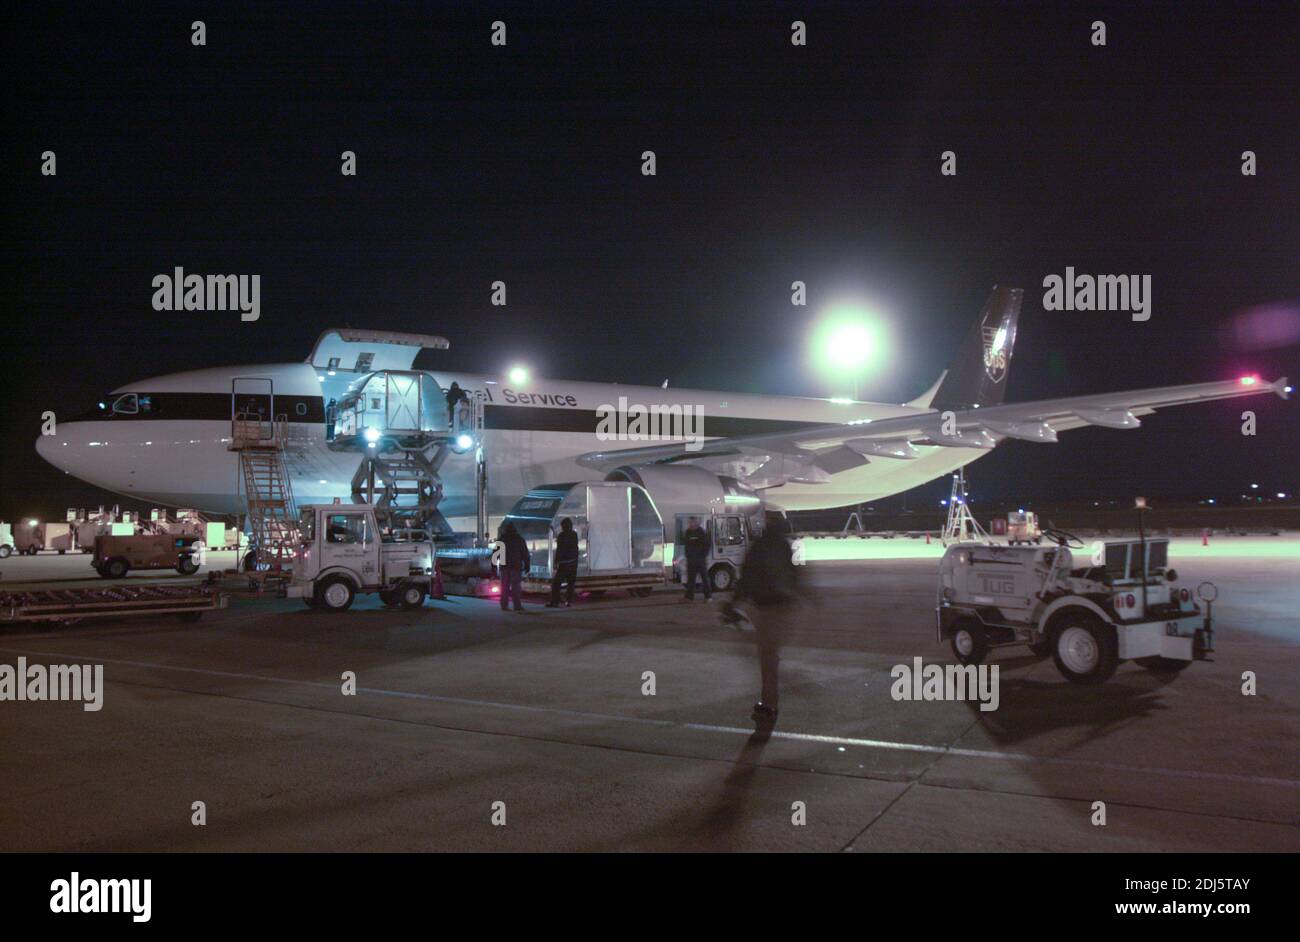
[609, 529]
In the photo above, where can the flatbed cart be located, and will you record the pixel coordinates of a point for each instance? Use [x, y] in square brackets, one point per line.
[69, 606]
[252, 582]
[638, 586]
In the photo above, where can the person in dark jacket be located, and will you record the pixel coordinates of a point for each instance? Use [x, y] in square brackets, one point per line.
[566, 563]
[455, 396]
[695, 543]
[769, 592]
[515, 562]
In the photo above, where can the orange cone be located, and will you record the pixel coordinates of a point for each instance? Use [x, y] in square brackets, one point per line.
[1205, 537]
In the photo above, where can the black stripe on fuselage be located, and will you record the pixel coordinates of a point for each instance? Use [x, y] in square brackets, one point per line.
[545, 419]
[189, 407]
[180, 406]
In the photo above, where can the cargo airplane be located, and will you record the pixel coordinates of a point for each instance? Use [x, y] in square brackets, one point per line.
[166, 439]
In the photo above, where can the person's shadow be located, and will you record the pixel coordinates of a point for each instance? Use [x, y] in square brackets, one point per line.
[720, 819]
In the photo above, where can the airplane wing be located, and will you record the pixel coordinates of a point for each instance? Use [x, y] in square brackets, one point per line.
[810, 455]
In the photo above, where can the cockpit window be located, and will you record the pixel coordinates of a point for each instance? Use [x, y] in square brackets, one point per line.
[126, 405]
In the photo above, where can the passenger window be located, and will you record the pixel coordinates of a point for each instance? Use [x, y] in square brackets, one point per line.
[301, 408]
[347, 528]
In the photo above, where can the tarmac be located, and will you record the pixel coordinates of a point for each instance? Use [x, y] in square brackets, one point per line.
[473, 729]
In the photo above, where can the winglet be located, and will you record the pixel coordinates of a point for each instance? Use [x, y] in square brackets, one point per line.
[1281, 388]
[923, 401]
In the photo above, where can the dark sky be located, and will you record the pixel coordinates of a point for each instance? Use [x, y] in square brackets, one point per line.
[775, 163]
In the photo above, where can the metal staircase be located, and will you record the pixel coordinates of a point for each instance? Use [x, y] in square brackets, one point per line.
[268, 493]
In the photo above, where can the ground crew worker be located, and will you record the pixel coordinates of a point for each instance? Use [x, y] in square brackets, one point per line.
[566, 563]
[455, 395]
[769, 593]
[695, 542]
[515, 563]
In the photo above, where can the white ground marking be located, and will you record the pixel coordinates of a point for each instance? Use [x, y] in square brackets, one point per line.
[697, 727]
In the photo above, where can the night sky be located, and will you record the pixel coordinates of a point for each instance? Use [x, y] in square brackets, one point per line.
[775, 163]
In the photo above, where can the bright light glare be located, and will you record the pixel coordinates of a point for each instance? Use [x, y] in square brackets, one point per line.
[464, 441]
[518, 375]
[999, 339]
[1249, 380]
[372, 435]
[849, 345]
[849, 340]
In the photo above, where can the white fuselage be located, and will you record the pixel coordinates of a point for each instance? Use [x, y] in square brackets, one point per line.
[176, 452]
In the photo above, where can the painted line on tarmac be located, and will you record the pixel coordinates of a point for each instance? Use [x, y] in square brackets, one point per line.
[696, 727]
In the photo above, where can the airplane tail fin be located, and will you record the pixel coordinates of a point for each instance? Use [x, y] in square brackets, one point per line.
[977, 376]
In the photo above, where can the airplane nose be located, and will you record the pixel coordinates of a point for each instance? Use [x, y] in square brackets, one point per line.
[45, 447]
[54, 449]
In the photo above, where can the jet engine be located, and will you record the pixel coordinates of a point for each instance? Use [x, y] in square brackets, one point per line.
[682, 489]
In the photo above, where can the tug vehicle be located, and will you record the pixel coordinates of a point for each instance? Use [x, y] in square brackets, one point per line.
[1119, 602]
[1022, 527]
[730, 535]
[115, 556]
[343, 552]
